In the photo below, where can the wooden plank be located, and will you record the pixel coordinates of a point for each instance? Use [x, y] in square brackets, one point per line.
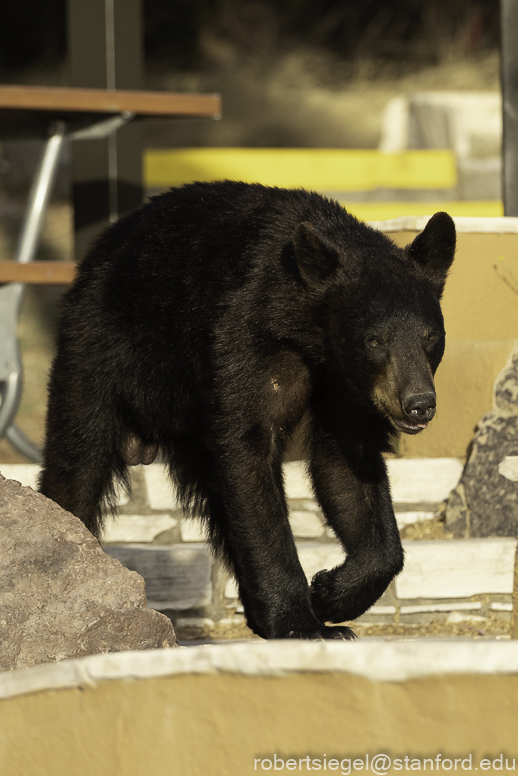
[38, 272]
[39, 98]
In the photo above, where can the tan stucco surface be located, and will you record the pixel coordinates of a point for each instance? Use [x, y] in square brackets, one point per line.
[416, 700]
[464, 384]
[217, 725]
[480, 307]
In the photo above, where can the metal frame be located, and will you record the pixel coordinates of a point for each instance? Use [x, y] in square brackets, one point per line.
[11, 294]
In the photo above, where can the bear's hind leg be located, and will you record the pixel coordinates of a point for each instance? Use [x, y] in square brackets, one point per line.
[82, 453]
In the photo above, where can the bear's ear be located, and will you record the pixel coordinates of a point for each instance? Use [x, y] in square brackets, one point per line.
[433, 250]
[316, 257]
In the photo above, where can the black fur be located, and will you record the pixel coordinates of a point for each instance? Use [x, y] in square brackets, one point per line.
[205, 326]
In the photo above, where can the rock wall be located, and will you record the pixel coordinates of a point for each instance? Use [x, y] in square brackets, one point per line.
[485, 501]
[443, 579]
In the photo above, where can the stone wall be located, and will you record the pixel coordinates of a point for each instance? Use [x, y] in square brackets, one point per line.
[448, 579]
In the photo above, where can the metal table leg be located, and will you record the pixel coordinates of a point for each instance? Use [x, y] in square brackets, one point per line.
[11, 294]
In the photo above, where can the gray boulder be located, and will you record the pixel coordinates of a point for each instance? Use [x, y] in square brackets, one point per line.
[485, 502]
[61, 596]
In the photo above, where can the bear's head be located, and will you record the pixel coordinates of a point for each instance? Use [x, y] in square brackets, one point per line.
[379, 308]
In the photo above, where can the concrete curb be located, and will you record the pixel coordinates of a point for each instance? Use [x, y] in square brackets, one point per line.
[377, 660]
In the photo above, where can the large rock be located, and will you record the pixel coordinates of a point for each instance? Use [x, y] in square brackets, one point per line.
[61, 596]
[485, 502]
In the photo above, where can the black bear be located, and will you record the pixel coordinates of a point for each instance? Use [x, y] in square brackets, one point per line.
[203, 327]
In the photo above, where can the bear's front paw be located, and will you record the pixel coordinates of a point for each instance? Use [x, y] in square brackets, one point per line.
[323, 633]
[331, 599]
[322, 595]
[345, 593]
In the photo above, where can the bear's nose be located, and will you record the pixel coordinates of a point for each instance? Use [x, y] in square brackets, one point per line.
[420, 406]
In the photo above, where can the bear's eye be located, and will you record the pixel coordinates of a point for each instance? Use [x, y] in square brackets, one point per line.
[374, 342]
[432, 336]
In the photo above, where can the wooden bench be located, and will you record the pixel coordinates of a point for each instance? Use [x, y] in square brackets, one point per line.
[30, 109]
[39, 272]
[53, 114]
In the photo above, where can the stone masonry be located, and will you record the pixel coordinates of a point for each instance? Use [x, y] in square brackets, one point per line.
[441, 579]
[485, 501]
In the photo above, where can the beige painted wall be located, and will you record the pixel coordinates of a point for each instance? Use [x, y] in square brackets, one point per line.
[480, 306]
[216, 725]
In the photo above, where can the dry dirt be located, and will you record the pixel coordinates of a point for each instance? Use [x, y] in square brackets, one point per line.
[472, 628]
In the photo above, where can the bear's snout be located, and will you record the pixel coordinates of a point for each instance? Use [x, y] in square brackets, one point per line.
[420, 407]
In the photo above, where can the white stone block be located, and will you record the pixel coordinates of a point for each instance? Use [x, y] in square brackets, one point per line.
[508, 468]
[160, 493]
[193, 530]
[136, 528]
[381, 610]
[422, 480]
[296, 481]
[27, 474]
[412, 480]
[231, 590]
[177, 577]
[407, 518]
[121, 495]
[498, 606]
[450, 607]
[230, 622]
[315, 556]
[455, 617]
[306, 525]
[457, 568]
[24, 473]
[200, 623]
[308, 505]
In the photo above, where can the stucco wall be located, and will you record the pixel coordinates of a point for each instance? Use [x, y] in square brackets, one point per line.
[226, 710]
[480, 306]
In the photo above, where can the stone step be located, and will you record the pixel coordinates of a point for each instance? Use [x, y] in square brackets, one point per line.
[412, 480]
[418, 486]
[440, 578]
[438, 575]
[306, 522]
